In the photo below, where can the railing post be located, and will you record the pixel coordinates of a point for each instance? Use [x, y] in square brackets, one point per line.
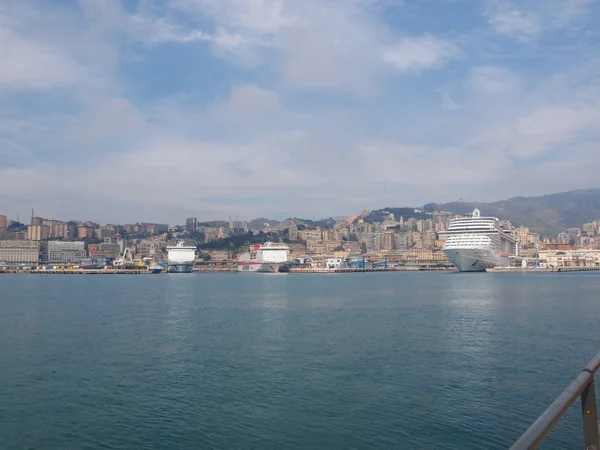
[590, 417]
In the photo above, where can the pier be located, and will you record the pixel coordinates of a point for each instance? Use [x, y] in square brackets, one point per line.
[368, 269]
[82, 271]
[543, 269]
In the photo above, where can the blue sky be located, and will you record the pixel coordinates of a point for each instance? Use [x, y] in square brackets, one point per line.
[147, 110]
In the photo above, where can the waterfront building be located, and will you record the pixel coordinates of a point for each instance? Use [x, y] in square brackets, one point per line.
[335, 263]
[61, 252]
[20, 252]
[570, 258]
[3, 222]
[37, 221]
[38, 232]
[220, 255]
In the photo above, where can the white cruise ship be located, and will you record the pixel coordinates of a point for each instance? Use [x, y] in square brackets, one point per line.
[476, 243]
[267, 257]
[180, 258]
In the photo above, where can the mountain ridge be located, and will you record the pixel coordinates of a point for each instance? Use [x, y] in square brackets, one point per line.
[546, 214]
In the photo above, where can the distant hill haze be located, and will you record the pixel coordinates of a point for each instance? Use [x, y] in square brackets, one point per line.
[547, 214]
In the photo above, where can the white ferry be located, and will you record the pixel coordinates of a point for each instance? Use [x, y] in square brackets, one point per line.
[268, 257]
[180, 258]
[476, 243]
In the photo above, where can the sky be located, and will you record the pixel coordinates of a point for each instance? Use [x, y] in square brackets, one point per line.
[154, 111]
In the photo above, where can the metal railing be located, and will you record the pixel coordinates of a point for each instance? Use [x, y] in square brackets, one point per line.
[582, 386]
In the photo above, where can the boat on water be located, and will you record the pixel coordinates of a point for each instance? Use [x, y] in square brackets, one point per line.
[268, 257]
[180, 258]
[151, 265]
[477, 243]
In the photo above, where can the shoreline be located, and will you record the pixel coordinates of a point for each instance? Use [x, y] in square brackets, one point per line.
[297, 270]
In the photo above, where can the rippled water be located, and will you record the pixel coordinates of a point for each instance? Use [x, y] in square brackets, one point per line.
[388, 360]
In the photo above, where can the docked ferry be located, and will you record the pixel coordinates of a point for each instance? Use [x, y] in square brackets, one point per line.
[477, 243]
[267, 257]
[180, 258]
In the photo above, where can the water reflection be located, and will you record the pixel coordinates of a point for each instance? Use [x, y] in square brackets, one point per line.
[273, 305]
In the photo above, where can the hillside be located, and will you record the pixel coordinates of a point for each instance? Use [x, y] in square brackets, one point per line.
[547, 214]
[405, 212]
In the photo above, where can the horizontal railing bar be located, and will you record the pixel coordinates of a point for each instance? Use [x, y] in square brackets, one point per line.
[542, 427]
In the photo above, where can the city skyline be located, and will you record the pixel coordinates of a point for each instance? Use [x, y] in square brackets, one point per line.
[146, 110]
[591, 195]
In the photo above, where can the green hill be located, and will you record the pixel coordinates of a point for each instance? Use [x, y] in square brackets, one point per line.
[547, 214]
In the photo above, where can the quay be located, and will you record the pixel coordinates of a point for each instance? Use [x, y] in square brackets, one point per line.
[542, 269]
[82, 271]
[372, 269]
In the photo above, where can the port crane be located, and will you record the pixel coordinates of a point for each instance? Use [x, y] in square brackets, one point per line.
[123, 259]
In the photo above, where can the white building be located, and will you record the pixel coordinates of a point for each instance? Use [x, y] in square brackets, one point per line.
[335, 263]
[570, 258]
[66, 252]
[19, 252]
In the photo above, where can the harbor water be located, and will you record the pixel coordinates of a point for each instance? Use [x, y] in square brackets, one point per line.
[394, 360]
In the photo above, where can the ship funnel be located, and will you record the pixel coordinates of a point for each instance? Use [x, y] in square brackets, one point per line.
[476, 214]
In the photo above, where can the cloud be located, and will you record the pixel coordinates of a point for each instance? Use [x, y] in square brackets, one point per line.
[544, 129]
[315, 44]
[492, 80]
[428, 165]
[247, 102]
[527, 19]
[552, 127]
[27, 64]
[516, 23]
[256, 107]
[413, 54]
[101, 120]
[253, 16]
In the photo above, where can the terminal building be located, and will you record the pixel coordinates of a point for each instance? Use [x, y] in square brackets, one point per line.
[19, 252]
[60, 252]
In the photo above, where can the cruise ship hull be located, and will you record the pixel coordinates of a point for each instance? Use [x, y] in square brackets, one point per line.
[184, 267]
[255, 266]
[475, 260]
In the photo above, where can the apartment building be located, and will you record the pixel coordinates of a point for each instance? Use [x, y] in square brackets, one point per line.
[38, 232]
[61, 252]
[20, 252]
